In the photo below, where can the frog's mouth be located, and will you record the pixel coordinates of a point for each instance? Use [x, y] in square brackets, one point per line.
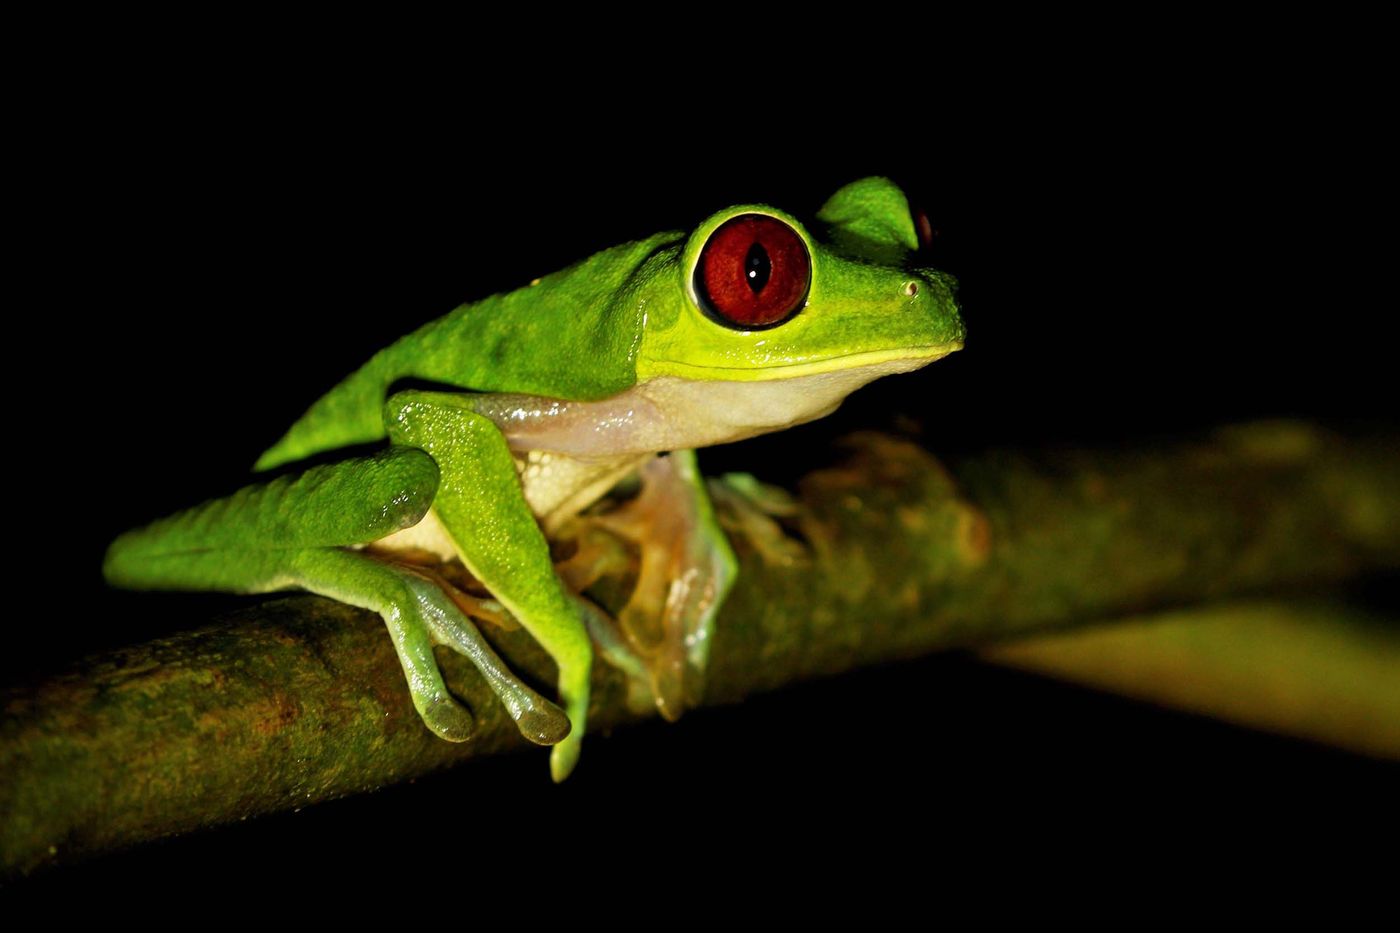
[680, 412]
[917, 356]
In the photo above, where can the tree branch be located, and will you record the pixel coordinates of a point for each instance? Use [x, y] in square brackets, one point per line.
[1321, 670]
[301, 699]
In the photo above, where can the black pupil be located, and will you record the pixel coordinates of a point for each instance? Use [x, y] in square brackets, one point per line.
[757, 268]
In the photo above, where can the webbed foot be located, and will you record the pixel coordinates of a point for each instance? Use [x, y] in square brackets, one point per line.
[420, 613]
[752, 509]
[661, 636]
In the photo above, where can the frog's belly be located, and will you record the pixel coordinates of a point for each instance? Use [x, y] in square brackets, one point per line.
[556, 488]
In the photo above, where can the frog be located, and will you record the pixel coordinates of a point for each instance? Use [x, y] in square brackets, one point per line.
[478, 436]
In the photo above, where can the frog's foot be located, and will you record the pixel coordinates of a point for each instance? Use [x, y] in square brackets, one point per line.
[455, 581]
[420, 612]
[661, 636]
[754, 510]
[600, 558]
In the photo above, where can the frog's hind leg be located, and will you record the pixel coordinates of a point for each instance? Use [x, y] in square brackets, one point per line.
[295, 531]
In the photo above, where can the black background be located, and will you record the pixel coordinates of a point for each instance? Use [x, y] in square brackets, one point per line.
[1135, 263]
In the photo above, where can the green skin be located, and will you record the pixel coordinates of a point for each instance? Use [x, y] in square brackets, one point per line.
[566, 386]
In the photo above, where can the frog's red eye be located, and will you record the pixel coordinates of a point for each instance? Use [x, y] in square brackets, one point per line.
[753, 272]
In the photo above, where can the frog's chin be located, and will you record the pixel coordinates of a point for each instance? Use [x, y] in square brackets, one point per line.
[673, 412]
[720, 411]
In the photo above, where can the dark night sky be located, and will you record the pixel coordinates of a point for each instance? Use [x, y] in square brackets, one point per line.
[1126, 273]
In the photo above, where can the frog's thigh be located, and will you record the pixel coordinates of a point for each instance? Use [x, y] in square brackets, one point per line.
[482, 506]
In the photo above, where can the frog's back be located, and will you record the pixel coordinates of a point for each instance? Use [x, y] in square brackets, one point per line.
[573, 335]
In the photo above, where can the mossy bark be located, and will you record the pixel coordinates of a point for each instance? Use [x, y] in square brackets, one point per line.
[887, 555]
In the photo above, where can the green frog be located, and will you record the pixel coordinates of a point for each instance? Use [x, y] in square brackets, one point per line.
[550, 395]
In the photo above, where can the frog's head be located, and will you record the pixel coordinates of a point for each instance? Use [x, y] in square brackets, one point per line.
[762, 298]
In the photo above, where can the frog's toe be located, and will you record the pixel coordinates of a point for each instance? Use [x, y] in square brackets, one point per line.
[574, 690]
[752, 510]
[447, 718]
[611, 642]
[544, 726]
[538, 720]
[563, 757]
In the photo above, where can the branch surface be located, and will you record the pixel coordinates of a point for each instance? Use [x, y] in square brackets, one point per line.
[889, 555]
[1321, 670]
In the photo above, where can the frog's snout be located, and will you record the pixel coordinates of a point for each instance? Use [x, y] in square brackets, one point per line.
[933, 294]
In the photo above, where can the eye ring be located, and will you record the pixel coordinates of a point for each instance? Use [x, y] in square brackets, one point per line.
[753, 273]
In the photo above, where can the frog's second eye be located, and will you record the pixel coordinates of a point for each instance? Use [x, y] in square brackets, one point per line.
[753, 272]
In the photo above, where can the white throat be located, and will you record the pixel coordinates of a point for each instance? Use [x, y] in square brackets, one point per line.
[672, 413]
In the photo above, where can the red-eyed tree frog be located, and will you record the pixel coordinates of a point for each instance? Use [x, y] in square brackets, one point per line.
[624, 363]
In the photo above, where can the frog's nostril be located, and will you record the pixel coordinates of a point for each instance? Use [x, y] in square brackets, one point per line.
[911, 288]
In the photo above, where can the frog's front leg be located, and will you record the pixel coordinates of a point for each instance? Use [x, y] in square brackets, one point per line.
[687, 569]
[481, 505]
